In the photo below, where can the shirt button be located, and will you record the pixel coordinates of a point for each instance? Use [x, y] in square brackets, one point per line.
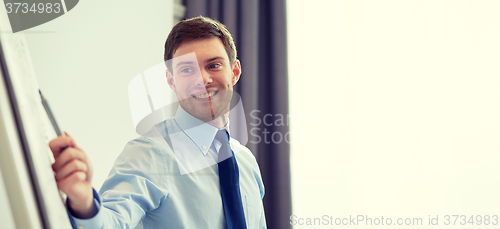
[204, 147]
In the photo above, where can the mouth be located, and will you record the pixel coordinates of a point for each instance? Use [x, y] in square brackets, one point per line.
[208, 95]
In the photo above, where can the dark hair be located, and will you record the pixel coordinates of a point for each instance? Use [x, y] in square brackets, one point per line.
[198, 28]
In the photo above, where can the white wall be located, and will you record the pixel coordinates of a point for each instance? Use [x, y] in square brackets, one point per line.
[84, 61]
[427, 73]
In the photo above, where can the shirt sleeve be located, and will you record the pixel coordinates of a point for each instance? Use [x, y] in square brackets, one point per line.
[131, 189]
[262, 221]
[91, 222]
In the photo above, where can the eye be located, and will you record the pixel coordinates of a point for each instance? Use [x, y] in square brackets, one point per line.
[214, 66]
[186, 70]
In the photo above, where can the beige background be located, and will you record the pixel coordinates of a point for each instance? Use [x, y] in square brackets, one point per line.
[428, 73]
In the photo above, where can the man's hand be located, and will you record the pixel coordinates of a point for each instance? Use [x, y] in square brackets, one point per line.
[73, 175]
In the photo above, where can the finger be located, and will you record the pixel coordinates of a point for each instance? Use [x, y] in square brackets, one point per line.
[69, 185]
[89, 170]
[73, 144]
[57, 145]
[71, 167]
[68, 155]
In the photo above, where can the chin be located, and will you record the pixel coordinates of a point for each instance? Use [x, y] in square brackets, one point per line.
[203, 110]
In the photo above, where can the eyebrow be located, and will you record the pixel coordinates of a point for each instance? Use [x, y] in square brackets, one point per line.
[215, 58]
[184, 62]
[192, 62]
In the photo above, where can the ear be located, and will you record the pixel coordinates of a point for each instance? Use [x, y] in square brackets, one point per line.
[170, 81]
[236, 71]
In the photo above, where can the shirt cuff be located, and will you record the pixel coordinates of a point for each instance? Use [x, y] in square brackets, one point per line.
[95, 221]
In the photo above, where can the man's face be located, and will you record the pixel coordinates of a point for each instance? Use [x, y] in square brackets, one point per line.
[203, 78]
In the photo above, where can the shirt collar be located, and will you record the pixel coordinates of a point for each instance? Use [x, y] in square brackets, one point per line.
[201, 133]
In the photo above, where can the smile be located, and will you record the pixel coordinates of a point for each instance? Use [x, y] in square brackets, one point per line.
[205, 95]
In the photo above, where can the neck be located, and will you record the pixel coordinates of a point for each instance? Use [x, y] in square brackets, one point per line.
[220, 122]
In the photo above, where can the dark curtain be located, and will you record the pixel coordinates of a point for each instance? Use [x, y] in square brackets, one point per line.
[259, 30]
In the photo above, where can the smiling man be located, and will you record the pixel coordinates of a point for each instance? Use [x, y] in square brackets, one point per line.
[187, 172]
[204, 81]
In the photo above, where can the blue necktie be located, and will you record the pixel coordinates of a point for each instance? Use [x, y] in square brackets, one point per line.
[229, 184]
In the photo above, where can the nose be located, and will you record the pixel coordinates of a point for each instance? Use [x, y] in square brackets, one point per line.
[206, 77]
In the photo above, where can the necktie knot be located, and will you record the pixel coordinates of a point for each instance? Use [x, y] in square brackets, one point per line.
[225, 150]
[222, 136]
